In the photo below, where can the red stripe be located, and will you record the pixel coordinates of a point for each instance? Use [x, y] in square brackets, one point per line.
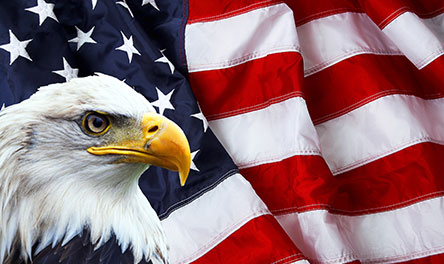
[200, 11]
[434, 259]
[252, 85]
[306, 10]
[382, 12]
[304, 183]
[332, 92]
[261, 240]
[356, 81]
[294, 184]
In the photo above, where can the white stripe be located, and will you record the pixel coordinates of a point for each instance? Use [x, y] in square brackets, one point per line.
[267, 135]
[198, 227]
[323, 42]
[373, 131]
[421, 40]
[329, 40]
[380, 128]
[232, 41]
[387, 237]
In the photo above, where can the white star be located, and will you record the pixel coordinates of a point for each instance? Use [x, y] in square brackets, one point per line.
[124, 4]
[16, 48]
[83, 37]
[68, 73]
[94, 2]
[3, 107]
[201, 117]
[192, 165]
[163, 102]
[151, 2]
[128, 47]
[165, 60]
[44, 10]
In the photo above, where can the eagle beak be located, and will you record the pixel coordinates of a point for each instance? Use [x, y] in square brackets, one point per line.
[162, 143]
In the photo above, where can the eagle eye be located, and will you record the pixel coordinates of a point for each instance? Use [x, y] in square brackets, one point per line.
[96, 123]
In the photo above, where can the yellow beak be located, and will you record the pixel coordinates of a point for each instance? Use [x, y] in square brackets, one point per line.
[162, 143]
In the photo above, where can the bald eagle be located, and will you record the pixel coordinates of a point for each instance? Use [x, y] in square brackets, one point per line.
[70, 159]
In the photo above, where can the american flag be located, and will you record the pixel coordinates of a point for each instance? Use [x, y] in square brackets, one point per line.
[329, 114]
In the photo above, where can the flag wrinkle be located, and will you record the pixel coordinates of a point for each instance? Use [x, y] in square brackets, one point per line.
[197, 194]
[376, 115]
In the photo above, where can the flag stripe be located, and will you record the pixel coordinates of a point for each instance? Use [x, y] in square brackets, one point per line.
[373, 131]
[303, 183]
[289, 185]
[251, 138]
[381, 13]
[385, 12]
[422, 42]
[321, 46]
[332, 92]
[235, 40]
[361, 79]
[199, 231]
[307, 10]
[380, 128]
[262, 247]
[212, 10]
[315, 58]
[434, 259]
[251, 85]
[329, 40]
[396, 235]
[377, 120]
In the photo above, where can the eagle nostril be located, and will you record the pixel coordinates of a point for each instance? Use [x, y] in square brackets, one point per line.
[153, 129]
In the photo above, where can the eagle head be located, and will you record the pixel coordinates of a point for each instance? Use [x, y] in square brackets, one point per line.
[70, 158]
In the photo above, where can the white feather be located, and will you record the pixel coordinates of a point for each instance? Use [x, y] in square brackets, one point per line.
[51, 188]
